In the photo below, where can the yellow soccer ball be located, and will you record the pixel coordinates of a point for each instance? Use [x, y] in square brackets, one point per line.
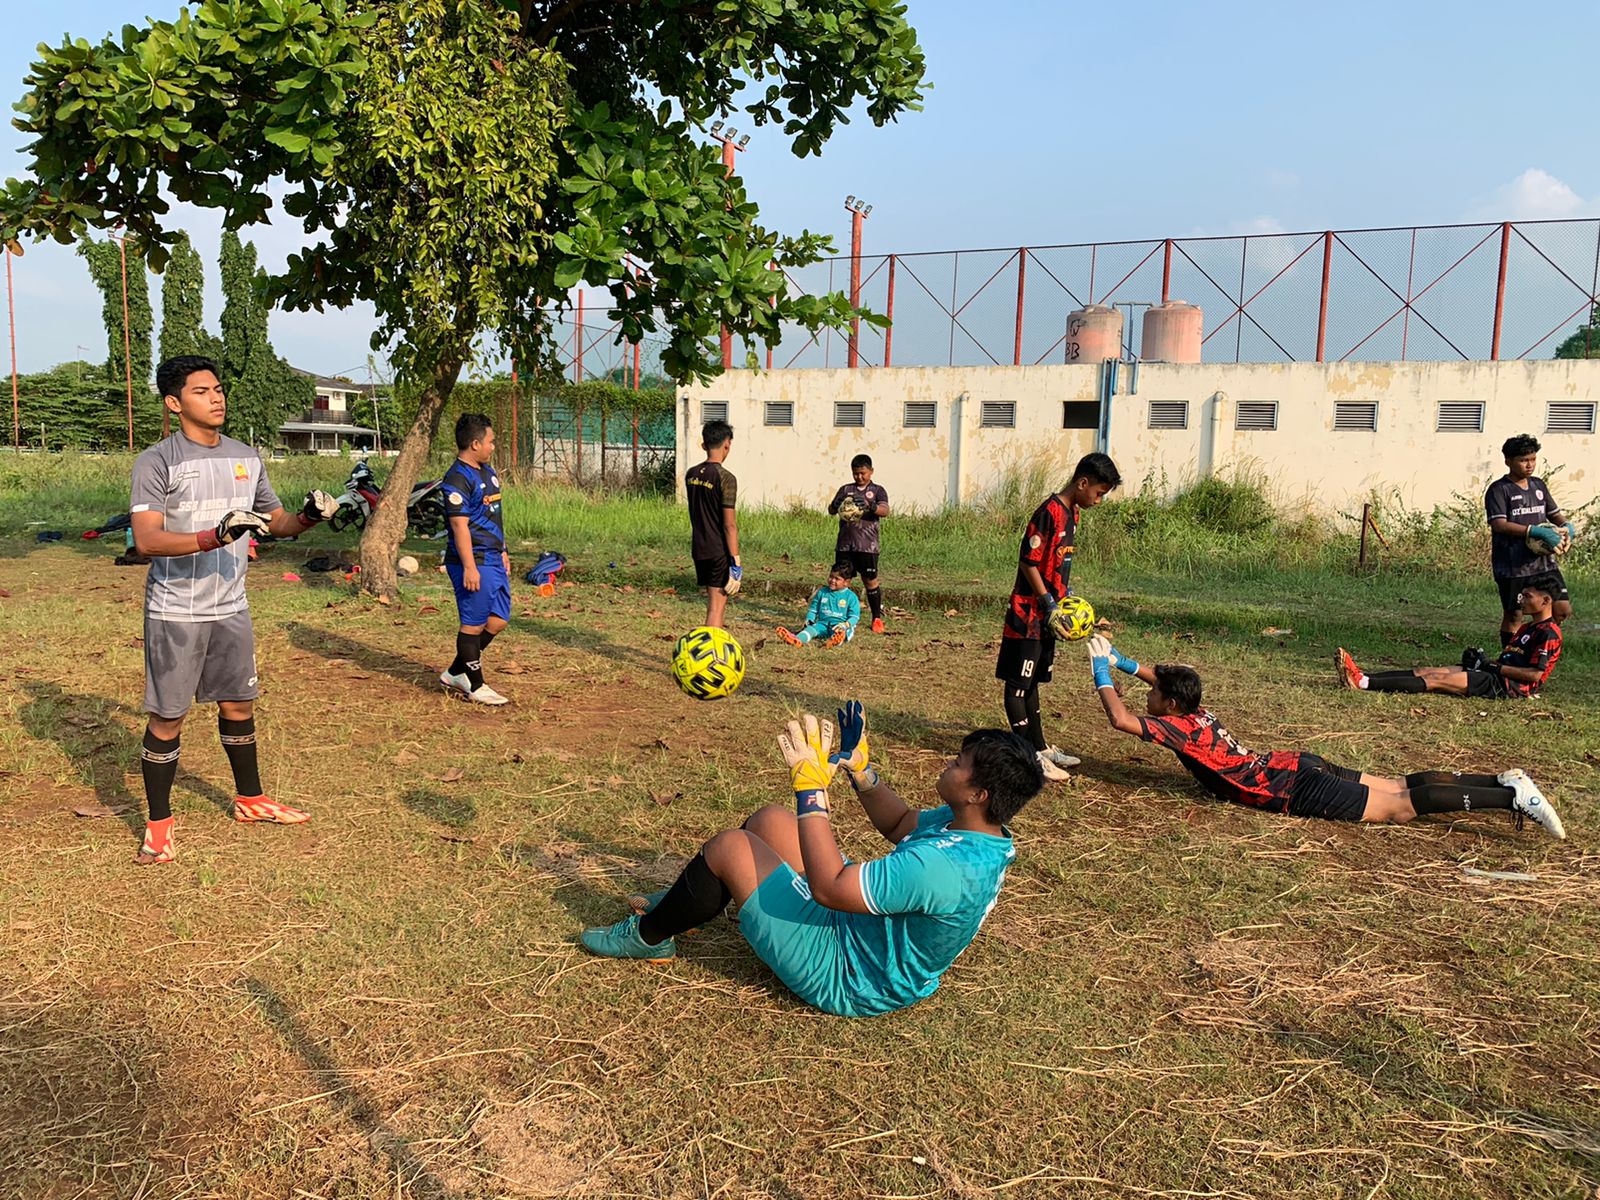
[708, 663]
[1073, 619]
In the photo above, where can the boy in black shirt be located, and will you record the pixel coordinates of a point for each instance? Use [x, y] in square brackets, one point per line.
[712, 492]
[1292, 781]
[1519, 505]
[1520, 671]
[860, 505]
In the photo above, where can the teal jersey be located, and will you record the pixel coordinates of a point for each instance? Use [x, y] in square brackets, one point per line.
[833, 609]
[929, 897]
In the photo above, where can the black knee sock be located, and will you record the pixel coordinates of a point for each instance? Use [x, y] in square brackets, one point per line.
[484, 639]
[239, 740]
[1451, 779]
[1396, 681]
[469, 658]
[875, 599]
[158, 763]
[1444, 797]
[1022, 711]
[694, 899]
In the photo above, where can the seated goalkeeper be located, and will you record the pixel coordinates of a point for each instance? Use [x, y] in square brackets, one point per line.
[833, 613]
[1293, 781]
[853, 939]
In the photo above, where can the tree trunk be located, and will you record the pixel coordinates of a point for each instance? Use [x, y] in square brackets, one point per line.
[380, 544]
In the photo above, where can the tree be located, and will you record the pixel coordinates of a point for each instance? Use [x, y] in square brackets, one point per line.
[182, 301]
[460, 160]
[1585, 340]
[263, 390]
[106, 267]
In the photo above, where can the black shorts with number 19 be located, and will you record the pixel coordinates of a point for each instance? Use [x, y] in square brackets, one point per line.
[1025, 661]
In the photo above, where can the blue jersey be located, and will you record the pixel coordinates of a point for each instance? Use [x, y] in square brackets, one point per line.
[474, 493]
[833, 608]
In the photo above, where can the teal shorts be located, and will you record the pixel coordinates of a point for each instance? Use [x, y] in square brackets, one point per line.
[800, 940]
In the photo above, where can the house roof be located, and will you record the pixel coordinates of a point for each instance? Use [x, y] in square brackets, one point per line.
[333, 384]
[323, 427]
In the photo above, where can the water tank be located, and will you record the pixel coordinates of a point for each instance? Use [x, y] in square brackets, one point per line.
[1094, 333]
[1172, 333]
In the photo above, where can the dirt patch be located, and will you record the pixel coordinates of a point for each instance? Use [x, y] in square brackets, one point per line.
[530, 1154]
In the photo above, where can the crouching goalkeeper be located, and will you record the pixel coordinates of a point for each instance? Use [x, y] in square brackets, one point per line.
[853, 939]
[1294, 782]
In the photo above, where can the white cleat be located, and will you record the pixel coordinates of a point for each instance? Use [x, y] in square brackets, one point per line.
[1530, 802]
[487, 695]
[455, 683]
[1509, 778]
[1052, 773]
[1061, 758]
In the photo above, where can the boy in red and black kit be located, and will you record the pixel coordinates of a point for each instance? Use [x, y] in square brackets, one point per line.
[1519, 672]
[860, 505]
[1044, 573]
[1291, 781]
[1518, 507]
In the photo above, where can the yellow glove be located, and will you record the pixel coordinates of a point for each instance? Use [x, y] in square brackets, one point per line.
[805, 747]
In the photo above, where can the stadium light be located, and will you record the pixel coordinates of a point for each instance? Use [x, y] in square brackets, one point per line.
[858, 210]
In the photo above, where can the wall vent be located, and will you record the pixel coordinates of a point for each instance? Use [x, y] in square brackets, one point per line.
[713, 410]
[778, 412]
[849, 414]
[1260, 416]
[1460, 416]
[919, 414]
[1566, 416]
[1169, 414]
[1355, 416]
[998, 414]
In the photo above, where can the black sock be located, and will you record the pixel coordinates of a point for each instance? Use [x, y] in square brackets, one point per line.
[694, 899]
[469, 659]
[1451, 779]
[158, 763]
[1396, 681]
[875, 599]
[239, 740]
[1505, 638]
[1443, 797]
[1022, 711]
[484, 639]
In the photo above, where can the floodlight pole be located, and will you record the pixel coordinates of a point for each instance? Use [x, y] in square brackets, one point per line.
[858, 210]
[11, 318]
[726, 135]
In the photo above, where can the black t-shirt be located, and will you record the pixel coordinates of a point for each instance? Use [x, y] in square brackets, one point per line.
[710, 488]
[1530, 504]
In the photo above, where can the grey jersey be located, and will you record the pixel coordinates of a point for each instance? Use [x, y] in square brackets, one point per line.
[192, 486]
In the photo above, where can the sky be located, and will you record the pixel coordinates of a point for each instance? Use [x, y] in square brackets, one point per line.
[1051, 123]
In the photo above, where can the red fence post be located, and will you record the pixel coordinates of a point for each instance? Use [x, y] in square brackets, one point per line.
[1322, 307]
[577, 341]
[1166, 271]
[1022, 276]
[888, 334]
[856, 220]
[1500, 291]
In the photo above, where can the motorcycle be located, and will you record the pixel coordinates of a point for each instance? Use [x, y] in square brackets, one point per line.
[425, 511]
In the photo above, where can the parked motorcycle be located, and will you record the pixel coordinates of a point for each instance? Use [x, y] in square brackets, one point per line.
[425, 511]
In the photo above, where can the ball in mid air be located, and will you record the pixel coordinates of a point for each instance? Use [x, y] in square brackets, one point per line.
[708, 663]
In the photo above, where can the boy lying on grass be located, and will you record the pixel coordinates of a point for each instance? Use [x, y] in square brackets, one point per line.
[853, 939]
[1293, 781]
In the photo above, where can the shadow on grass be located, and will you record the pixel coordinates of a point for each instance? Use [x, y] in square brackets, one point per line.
[449, 811]
[88, 731]
[411, 1172]
[369, 658]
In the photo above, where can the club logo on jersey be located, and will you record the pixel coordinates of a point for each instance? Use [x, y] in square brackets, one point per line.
[1035, 542]
[495, 479]
[1538, 494]
[240, 471]
[455, 497]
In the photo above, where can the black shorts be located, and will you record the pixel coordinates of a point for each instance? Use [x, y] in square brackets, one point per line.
[866, 565]
[1024, 662]
[1486, 686]
[1510, 585]
[711, 572]
[1321, 789]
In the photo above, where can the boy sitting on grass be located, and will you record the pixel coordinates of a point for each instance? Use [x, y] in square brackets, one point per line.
[1292, 781]
[1519, 672]
[833, 613]
[853, 939]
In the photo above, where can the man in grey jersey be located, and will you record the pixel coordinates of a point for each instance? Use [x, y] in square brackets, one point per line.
[197, 499]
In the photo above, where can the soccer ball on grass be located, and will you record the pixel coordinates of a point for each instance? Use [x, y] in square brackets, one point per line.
[708, 663]
[1073, 619]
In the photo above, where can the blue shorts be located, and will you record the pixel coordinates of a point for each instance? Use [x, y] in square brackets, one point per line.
[800, 940]
[493, 597]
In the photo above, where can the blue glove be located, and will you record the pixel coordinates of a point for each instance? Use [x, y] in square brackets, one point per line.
[1548, 534]
[1100, 654]
[735, 579]
[852, 723]
[1122, 662]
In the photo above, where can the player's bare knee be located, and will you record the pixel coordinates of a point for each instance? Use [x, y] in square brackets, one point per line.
[236, 710]
[495, 624]
[765, 818]
[166, 728]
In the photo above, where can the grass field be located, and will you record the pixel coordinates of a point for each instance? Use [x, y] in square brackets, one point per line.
[1174, 997]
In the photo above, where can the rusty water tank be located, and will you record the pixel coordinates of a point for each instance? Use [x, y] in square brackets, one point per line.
[1094, 333]
[1172, 333]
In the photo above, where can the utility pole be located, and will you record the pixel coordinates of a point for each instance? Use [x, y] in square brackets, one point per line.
[726, 135]
[859, 211]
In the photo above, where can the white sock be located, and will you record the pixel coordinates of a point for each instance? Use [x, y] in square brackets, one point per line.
[1362, 682]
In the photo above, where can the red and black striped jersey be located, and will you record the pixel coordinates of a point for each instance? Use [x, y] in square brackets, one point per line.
[1047, 545]
[1536, 646]
[1224, 768]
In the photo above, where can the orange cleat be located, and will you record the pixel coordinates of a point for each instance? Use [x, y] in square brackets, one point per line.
[789, 637]
[877, 624]
[157, 847]
[837, 637]
[259, 808]
[1349, 673]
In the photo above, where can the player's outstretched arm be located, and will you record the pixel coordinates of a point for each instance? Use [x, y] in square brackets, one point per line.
[152, 538]
[319, 506]
[889, 814]
[833, 883]
[1100, 659]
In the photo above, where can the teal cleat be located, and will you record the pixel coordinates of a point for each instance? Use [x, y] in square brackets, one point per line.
[643, 902]
[622, 940]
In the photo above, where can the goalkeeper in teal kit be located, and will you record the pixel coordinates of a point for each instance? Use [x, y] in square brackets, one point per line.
[853, 939]
[834, 611]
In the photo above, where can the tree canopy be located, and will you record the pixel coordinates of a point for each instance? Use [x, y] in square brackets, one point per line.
[1584, 342]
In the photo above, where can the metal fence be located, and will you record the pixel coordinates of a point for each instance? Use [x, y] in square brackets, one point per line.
[1505, 290]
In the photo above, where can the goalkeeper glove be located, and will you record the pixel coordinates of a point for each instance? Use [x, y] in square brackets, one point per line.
[1100, 653]
[1549, 535]
[1047, 611]
[805, 750]
[319, 506]
[735, 579]
[235, 524]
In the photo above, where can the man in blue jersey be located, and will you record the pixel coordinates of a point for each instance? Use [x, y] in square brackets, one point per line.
[475, 557]
[853, 939]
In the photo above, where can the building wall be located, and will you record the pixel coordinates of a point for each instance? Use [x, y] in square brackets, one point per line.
[1304, 459]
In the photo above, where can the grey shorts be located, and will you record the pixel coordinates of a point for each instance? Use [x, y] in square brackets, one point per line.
[185, 661]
